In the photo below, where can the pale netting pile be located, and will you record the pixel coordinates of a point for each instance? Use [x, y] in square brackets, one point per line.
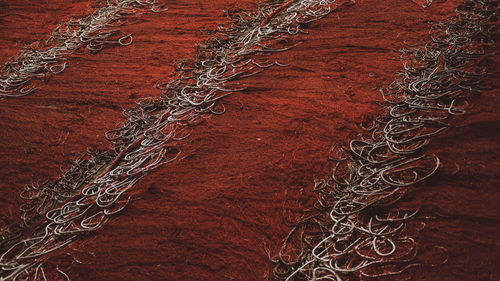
[357, 231]
[39, 60]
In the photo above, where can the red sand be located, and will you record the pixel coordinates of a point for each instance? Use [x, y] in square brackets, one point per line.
[208, 216]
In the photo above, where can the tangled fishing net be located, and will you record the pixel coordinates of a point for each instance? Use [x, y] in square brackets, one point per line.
[357, 231]
[58, 212]
[40, 59]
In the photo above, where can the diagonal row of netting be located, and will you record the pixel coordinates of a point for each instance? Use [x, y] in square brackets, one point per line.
[357, 230]
[22, 74]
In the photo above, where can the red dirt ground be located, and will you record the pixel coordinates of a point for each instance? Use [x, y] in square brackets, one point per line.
[209, 215]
